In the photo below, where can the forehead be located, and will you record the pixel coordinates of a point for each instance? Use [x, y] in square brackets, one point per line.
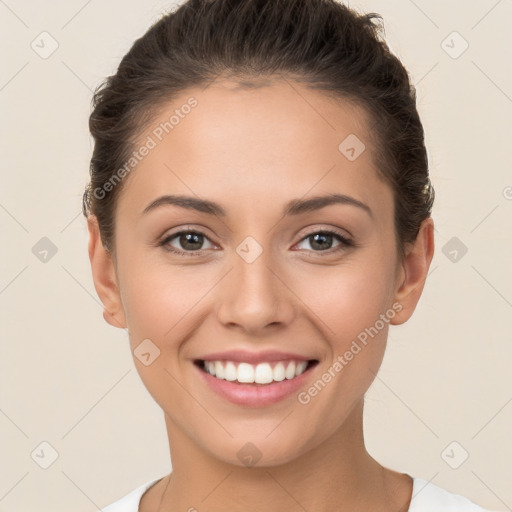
[274, 140]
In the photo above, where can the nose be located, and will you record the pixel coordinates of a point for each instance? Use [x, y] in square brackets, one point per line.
[255, 297]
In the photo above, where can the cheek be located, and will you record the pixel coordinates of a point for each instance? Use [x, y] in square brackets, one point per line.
[347, 304]
[347, 307]
[157, 295]
[347, 299]
[159, 300]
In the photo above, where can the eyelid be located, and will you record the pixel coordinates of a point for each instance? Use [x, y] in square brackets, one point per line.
[200, 230]
[343, 233]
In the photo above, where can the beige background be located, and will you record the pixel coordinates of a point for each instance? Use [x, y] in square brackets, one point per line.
[67, 378]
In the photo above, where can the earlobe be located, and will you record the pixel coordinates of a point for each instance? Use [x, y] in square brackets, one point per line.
[415, 270]
[104, 277]
[111, 319]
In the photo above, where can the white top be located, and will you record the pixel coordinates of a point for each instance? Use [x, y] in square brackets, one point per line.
[426, 497]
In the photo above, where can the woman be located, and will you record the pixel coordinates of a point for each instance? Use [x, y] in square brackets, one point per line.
[259, 213]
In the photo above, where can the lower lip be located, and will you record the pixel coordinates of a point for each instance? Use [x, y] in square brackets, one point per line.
[255, 395]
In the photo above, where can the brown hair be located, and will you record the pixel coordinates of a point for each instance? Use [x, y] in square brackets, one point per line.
[322, 43]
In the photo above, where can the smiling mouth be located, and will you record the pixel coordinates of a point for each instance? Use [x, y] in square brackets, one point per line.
[262, 373]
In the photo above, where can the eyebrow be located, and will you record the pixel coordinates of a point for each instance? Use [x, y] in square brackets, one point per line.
[293, 207]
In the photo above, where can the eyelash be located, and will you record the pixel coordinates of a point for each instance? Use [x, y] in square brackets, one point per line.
[345, 242]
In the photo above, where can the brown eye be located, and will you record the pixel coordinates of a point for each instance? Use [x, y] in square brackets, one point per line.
[321, 241]
[190, 243]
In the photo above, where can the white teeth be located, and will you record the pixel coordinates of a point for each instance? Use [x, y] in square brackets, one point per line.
[262, 373]
[300, 368]
[290, 371]
[219, 370]
[278, 372]
[245, 373]
[230, 372]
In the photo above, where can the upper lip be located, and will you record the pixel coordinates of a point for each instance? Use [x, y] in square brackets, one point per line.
[253, 357]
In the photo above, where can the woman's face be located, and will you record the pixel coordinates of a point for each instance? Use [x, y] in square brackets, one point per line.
[255, 280]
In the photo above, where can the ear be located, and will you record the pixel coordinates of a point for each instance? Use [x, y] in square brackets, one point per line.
[104, 276]
[413, 272]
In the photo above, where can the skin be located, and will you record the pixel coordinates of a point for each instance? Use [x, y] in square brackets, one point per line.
[252, 151]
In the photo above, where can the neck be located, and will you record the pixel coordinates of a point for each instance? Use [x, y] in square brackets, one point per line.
[336, 474]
